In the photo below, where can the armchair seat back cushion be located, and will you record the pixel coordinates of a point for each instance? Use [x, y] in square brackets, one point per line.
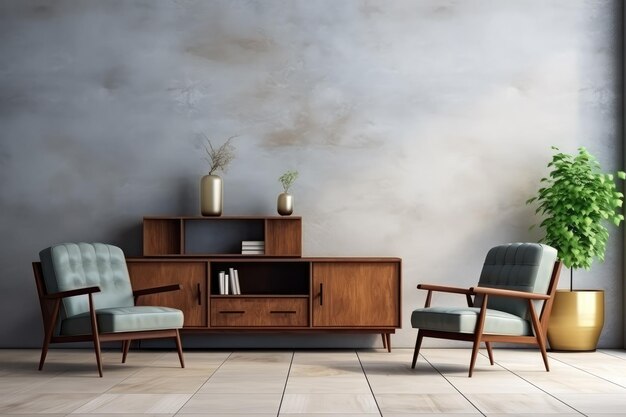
[463, 320]
[69, 266]
[124, 319]
[520, 267]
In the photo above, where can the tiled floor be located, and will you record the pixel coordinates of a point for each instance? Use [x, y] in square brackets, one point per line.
[312, 383]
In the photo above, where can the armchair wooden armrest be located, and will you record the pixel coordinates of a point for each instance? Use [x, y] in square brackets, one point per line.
[445, 288]
[71, 293]
[509, 293]
[442, 288]
[156, 290]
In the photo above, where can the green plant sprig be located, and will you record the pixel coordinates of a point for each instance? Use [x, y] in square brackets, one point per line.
[287, 179]
[219, 158]
[577, 200]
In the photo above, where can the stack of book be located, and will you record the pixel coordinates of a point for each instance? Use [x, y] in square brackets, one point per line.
[229, 282]
[252, 247]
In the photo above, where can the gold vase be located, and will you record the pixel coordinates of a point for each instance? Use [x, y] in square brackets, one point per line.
[576, 320]
[211, 195]
[285, 204]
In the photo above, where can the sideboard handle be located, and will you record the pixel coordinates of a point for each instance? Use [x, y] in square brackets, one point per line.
[321, 294]
[232, 311]
[283, 312]
[199, 295]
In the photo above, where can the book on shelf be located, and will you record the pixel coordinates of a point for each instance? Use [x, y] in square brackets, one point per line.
[234, 284]
[252, 247]
[252, 243]
[238, 288]
[221, 282]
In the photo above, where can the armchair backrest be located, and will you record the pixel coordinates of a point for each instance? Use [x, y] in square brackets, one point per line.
[76, 265]
[517, 266]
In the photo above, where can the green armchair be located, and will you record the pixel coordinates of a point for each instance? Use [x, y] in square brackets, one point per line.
[517, 281]
[86, 295]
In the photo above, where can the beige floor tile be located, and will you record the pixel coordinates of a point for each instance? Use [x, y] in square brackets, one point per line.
[410, 384]
[518, 403]
[572, 383]
[501, 382]
[232, 403]
[535, 415]
[34, 403]
[166, 372]
[229, 415]
[158, 385]
[120, 414]
[261, 357]
[340, 384]
[424, 403]
[78, 385]
[328, 403]
[620, 353]
[596, 403]
[333, 414]
[439, 415]
[193, 360]
[135, 403]
[17, 384]
[228, 384]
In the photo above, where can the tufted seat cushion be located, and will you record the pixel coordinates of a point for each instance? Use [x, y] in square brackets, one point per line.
[463, 320]
[124, 319]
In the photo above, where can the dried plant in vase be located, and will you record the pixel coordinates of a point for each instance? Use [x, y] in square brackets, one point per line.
[211, 188]
[285, 200]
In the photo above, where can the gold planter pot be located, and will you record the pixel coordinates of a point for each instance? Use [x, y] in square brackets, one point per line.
[576, 320]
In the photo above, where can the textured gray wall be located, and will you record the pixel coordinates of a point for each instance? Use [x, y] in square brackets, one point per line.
[419, 128]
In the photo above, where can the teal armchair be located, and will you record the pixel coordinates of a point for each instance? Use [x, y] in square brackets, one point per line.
[85, 294]
[511, 303]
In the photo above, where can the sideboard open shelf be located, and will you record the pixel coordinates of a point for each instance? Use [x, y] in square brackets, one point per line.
[221, 236]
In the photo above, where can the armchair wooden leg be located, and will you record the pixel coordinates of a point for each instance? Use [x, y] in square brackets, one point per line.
[96, 347]
[94, 331]
[125, 347]
[539, 335]
[490, 352]
[44, 351]
[418, 344]
[49, 329]
[179, 348]
[475, 349]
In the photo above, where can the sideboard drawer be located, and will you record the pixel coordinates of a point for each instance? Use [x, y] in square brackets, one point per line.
[259, 312]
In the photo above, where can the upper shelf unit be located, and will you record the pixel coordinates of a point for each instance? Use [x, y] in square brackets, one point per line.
[221, 236]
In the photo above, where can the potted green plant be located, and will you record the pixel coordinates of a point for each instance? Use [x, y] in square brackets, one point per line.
[211, 189]
[285, 200]
[577, 201]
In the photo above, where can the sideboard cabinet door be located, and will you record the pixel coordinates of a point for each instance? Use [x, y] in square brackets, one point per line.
[356, 294]
[192, 276]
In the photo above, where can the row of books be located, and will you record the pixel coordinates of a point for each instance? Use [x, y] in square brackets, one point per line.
[253, 247]
[229, 282]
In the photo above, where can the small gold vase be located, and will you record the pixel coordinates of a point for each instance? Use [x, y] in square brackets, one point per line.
[211, 195]
[576, 321]
[285, 204]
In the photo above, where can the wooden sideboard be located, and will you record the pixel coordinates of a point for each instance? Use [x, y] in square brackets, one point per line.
[280, 290]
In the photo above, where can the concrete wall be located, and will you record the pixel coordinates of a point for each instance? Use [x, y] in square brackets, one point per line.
[419, 128]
